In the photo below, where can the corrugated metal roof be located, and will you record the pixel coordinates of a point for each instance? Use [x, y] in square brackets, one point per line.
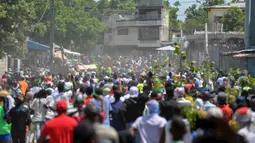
[240, 4]
[247, 51]
[244, 51]
[249, 55]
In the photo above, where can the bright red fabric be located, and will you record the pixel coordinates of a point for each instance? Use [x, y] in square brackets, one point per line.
[59, 129]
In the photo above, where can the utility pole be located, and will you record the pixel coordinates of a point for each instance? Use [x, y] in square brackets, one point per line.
[247, 23]
[52, 27]
[206, 43]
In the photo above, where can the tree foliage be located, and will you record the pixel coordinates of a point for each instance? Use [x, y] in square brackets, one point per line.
[215, 2]
[174, 22]
[15, 18]
[234, 19]
[196, 17]
[77, 23]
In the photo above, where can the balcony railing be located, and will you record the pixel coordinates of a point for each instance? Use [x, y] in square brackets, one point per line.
[143, 17]
[140, 20]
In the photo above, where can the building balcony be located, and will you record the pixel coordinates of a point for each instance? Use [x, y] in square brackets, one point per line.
[149, 43]
[140, 20]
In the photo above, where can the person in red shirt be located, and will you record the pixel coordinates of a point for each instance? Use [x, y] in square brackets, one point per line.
[222, 104]
[60, 129]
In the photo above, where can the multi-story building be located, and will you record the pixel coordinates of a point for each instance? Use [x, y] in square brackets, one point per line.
[145, 27]
[216, 13]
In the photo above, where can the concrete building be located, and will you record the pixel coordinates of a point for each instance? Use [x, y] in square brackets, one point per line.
[218, 43]
[217, 12]
[144, 28]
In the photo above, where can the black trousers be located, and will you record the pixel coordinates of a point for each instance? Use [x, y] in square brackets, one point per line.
[19, 138]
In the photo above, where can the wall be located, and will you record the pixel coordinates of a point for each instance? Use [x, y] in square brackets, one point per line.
[196, 52]
[130, 39]
[3, 65]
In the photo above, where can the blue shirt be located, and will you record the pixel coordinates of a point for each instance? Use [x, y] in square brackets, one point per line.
[108, 108]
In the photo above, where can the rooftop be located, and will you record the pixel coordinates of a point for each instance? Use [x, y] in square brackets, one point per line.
[240, 4]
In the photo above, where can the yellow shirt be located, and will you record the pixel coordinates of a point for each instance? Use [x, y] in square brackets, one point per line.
[190, 98]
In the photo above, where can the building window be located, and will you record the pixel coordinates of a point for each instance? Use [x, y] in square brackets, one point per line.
[123, 31]
[218, 19]
[149, 33]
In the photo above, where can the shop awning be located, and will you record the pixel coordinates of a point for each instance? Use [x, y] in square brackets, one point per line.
[36, 46]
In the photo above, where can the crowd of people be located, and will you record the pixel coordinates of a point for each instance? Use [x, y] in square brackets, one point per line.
[87, 107]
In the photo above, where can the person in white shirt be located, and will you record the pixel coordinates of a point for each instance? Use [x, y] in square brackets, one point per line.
[151, 126]
[38, 106]
[61, 95]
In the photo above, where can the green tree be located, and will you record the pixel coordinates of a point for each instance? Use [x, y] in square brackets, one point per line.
[127, 5]
[114, 4]
[77, 23]
[196, 17]
[174, 23]
[215, 2]
[15, 18]
[234, 19]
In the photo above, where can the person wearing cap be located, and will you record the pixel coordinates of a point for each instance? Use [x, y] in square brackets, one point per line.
[102, 104]
[60, 129]
[222, 104]
[151, 126]
[206, 96]
[245, 124]
[243, 117]
[19, 117]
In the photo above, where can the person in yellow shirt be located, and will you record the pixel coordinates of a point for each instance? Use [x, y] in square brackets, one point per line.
[140, 85]
[23, 85]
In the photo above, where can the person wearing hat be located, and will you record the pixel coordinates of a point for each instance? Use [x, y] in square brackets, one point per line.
[19, 117]
[102, 104]
[60, 129]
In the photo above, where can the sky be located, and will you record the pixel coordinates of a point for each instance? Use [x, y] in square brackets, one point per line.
[184, 5]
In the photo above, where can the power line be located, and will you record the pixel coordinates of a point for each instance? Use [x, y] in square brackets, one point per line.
[43, 13]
